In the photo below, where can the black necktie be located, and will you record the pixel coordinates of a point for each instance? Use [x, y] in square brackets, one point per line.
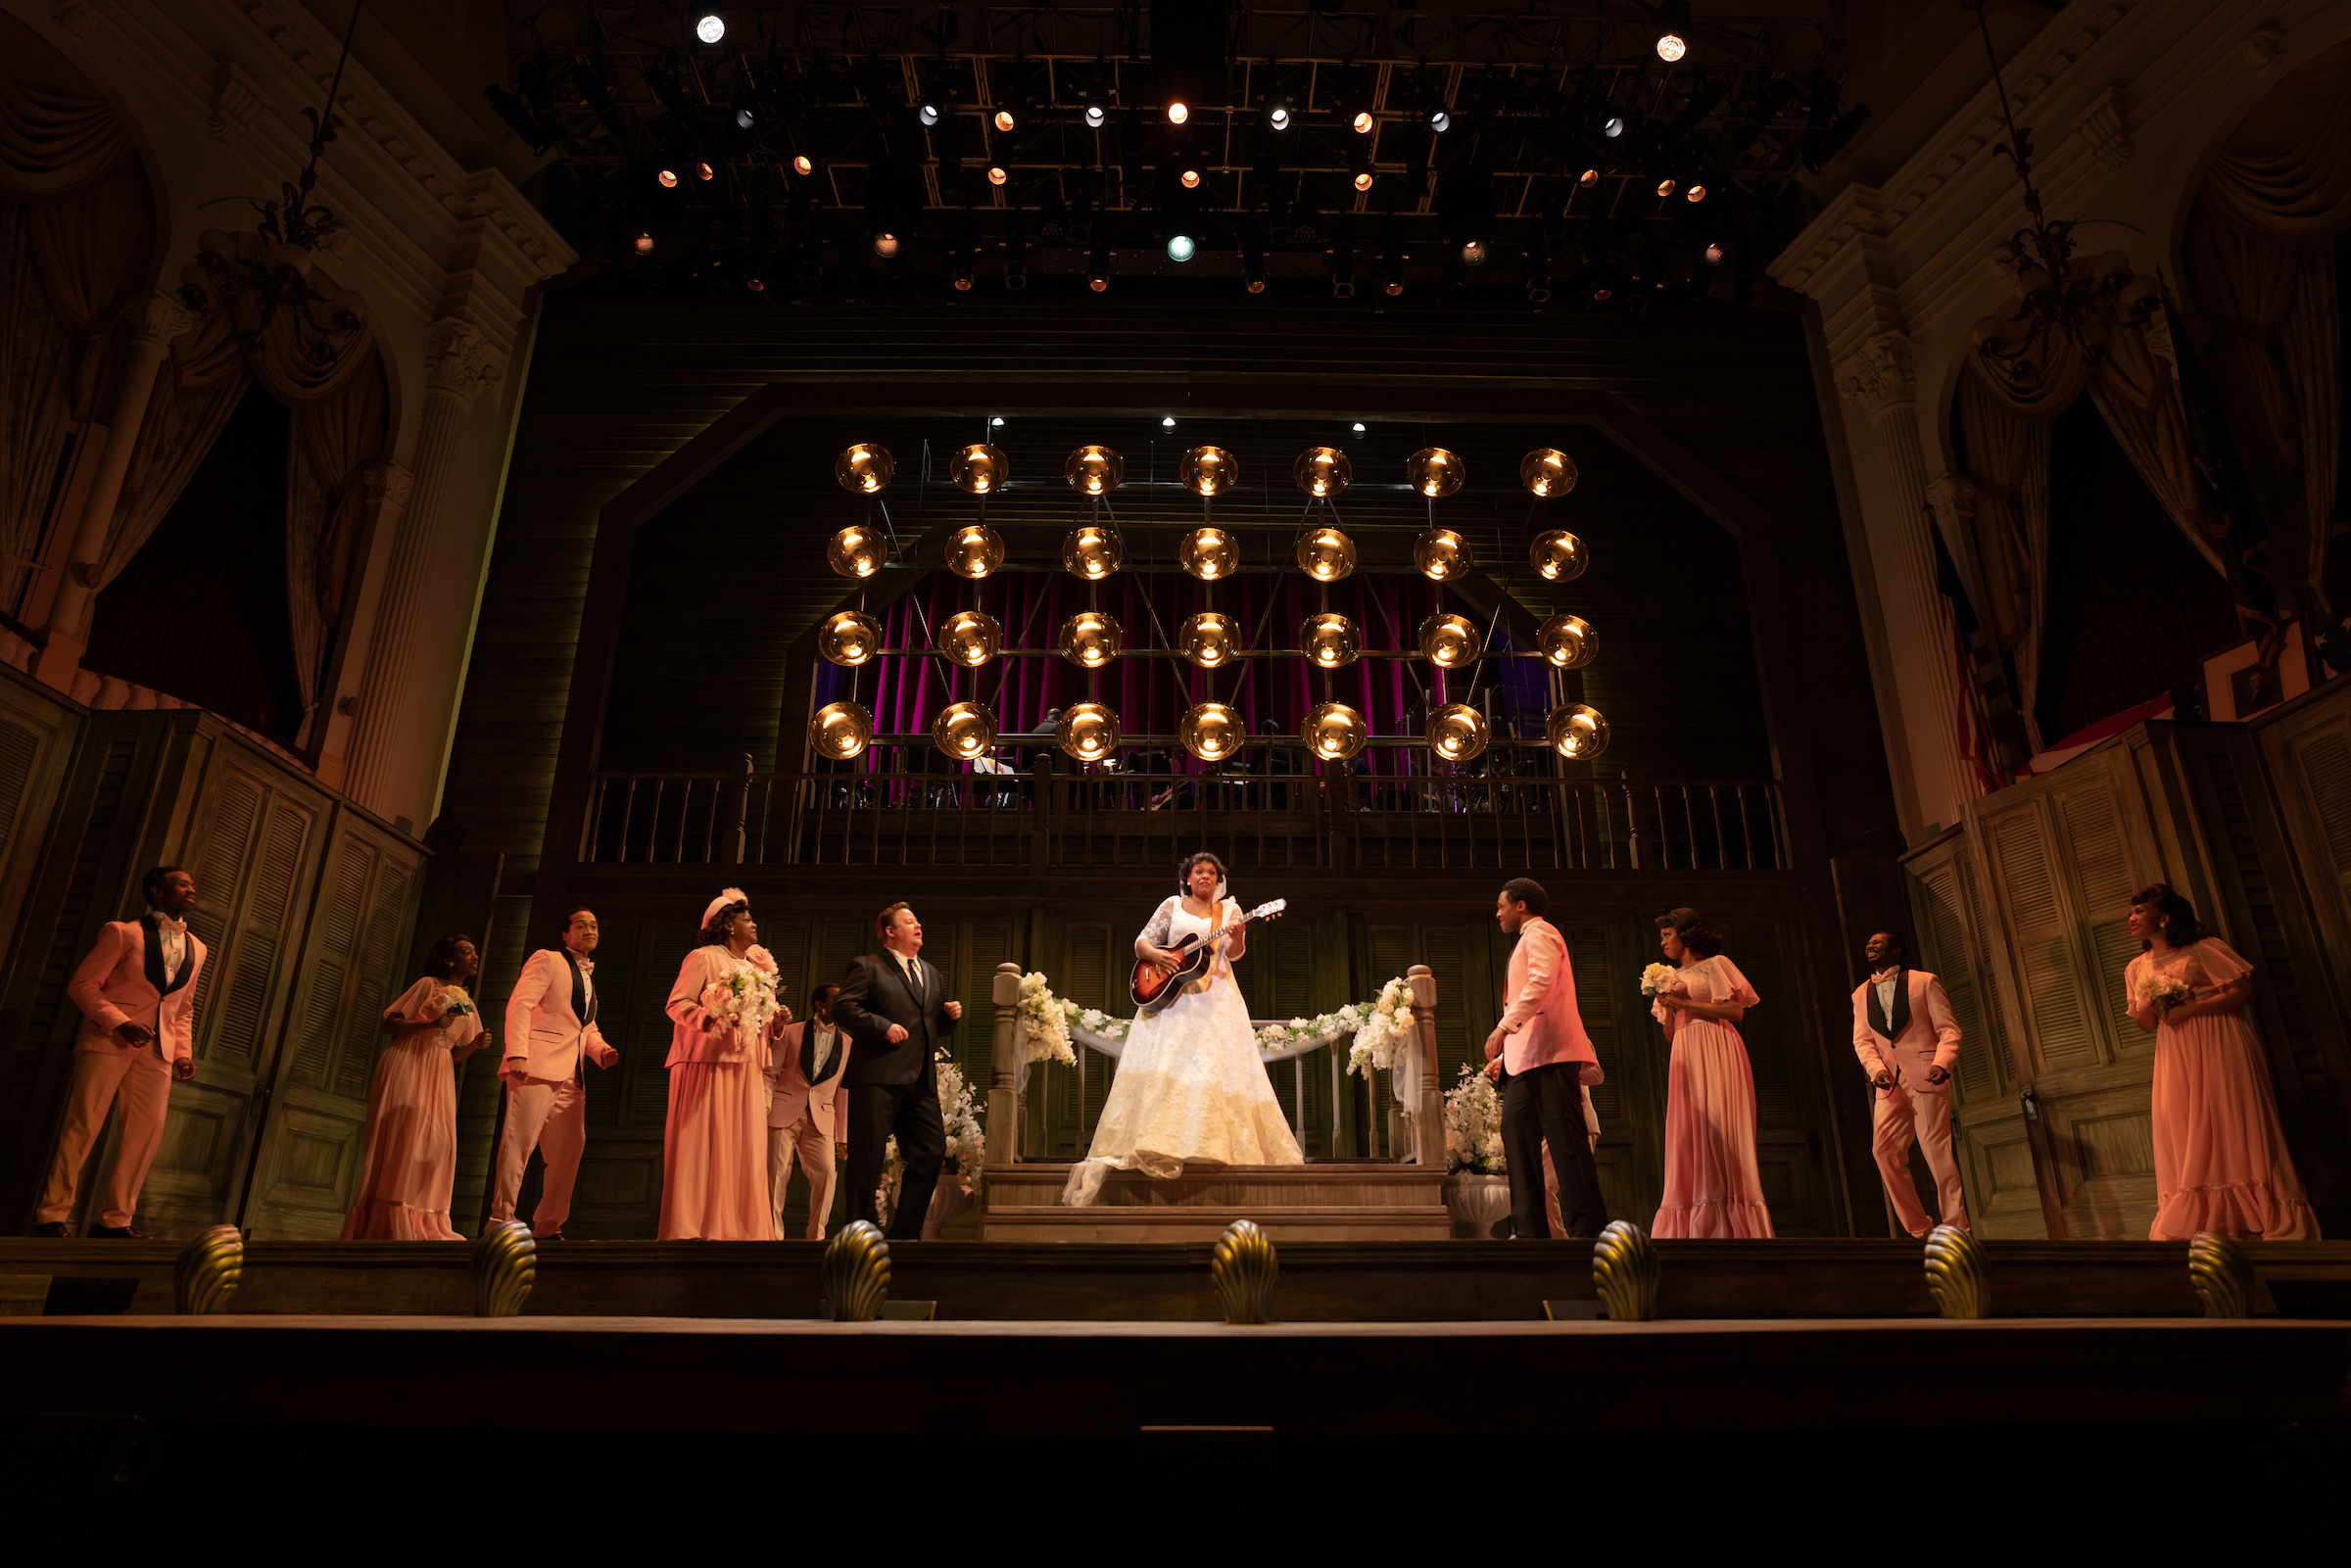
[914, 982]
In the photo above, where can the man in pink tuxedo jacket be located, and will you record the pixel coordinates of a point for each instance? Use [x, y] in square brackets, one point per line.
[136, 991]
[807, 1115]
[1909, 1043]
[551, 1038]
[1543, 1048]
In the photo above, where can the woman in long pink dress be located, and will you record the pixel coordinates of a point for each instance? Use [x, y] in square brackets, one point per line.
[410, 1163]
[1712, 1187]
[714, 1153]
[2221, 1162]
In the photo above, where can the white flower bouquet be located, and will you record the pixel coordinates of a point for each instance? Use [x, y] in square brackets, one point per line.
[1046, 1024]
[2162, 992]
[1473, 1125]
[1656, 980]
[741, 1000]
[457, 1007]
[967, 1142]
[1382, 1028]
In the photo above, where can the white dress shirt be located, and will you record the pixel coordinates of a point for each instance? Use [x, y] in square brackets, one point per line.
[823, 1051]
[1886, 983]
[171, 938]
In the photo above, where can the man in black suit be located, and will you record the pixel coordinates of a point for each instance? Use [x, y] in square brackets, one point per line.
[895, 1009]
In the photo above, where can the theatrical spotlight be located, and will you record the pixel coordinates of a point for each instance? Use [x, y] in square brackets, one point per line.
[1577, 733]
[1442, 554]
[970, 638]
[856, 551]
[1277, 113]
[801, 165]
[1004, 121]
[1095, 116]
[1439, 121]
[840, 731]
[1457, 732]
[1613, 127]
[1557, 555]
[1325, 554]
[927, 111]
[1567, 640]
[973, 551]
[849, 638]
[1090, 640]
[1094, 470]
[1089, 732]
[1209, 471]
[1208, 553]
[1213, 731]
[1179, 112]
[864, 469]
[711, 27]
[1209, 640]
[1434, 472]
[1335, 732]
[1547, 471]
[1329, 641]
[1474, 253]
[964, 731]
[1322, 472]
[1180, 246]
[1097, 268]
[1091, 554]
[1673, 31]
[1450, 642]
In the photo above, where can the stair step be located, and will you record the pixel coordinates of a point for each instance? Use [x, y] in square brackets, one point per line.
[1294, 1223]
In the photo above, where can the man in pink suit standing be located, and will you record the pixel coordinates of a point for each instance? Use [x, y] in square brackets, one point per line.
[136, 991]
[551, 1038]
[1909, 1043]
[1543, 1048]
[807, 1115]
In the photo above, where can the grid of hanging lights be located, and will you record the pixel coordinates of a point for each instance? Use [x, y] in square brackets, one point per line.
[1091, 639]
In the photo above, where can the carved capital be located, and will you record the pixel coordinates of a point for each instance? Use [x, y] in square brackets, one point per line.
[159, 317]
[460, 361]
[388, 485]
[1952, 500]
[2102, 127]
[236, 103]
[1878, 376]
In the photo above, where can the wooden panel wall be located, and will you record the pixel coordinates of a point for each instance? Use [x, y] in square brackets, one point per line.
[38, 731]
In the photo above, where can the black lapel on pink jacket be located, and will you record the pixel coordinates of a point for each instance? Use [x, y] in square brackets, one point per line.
[154, 940]
[1893, 1028]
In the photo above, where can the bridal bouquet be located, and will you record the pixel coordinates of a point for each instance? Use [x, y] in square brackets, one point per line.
[1047, 1018]
[1383, 1029]
[1473, 1125]
[741, 999]
[2162, 992]
[1656, 980]
[457, 1007]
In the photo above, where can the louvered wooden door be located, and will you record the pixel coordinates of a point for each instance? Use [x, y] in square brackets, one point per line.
[2063, 859]
[307, 1169]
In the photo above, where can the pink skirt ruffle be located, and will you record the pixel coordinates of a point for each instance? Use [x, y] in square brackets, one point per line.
[1712, 1186]
[2221, 1162]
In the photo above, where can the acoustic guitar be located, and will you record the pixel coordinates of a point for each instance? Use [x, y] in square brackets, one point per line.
[1153, 988]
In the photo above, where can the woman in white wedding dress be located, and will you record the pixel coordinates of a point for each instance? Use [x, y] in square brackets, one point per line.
[1191, 1085]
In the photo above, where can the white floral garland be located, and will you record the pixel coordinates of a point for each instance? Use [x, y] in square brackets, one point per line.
[1051, 1024]
[1386, 1028]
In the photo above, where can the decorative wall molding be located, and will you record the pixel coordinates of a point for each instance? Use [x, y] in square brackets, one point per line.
[1952, 498]
[2105, 129]
[237, 102]
[389, 484]
[461, 362]
[1879, 376]
[160, 316]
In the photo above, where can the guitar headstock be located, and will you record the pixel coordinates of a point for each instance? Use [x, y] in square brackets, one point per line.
[1268, 911]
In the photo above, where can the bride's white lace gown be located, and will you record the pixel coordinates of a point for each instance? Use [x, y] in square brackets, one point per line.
[1191, 1085]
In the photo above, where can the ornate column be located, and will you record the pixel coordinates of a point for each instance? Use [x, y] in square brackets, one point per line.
[397, 699]
[156, 320]
[1878, 379]
[385, 502]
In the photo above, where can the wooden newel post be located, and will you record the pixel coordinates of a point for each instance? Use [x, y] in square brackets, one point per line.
[1003, 1084]
[734, 804]
[1428, 1104]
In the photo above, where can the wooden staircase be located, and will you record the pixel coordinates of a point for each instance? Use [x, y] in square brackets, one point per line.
[1324, 1199]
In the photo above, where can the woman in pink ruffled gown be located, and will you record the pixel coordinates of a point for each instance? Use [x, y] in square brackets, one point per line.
[2221, 1162]
[1712, 1187]
[411, 1163]
[714, 1151]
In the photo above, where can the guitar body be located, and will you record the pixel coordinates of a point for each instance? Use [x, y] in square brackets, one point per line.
[1152, 989]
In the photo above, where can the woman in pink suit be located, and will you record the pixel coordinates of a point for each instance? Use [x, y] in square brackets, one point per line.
[2221, 1162]
[714, 1155]
[1712, 1188]
[412, 1146]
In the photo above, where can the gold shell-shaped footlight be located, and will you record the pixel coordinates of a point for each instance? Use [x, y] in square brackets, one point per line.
[969, 638]
[1624, 1273]
[1335, 732]
[1325, 554]
[1450, 642]
[1209, 471]
[2215, 1268]
[1208, 553]
[209, 1271]
[979, 469]
[1442, 554]
[841, 730]
[849, 638]
[1457, 732]
[1245, 1271]
[857, 550]
[1329, 641]
[1557, 555]
[1213, 731]
[964, 729]
[1547, 471]
[505, 1266]
[1090, 640]
[1322, 471]
[1957, 1275]
[1087, 732]
[1091, 553]
[973, 551]
[1576, 732]
[864, 469]
[1209, 640]
[1094, 470]
[855, 1274]
[1567, 640]
[1434, 472]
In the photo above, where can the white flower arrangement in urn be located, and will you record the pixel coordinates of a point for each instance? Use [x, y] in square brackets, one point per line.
[965, 1164]
[1473, 1125]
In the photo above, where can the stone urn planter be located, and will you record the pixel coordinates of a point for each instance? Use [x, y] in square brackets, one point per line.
[949, 1201]
[1477, 1201]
